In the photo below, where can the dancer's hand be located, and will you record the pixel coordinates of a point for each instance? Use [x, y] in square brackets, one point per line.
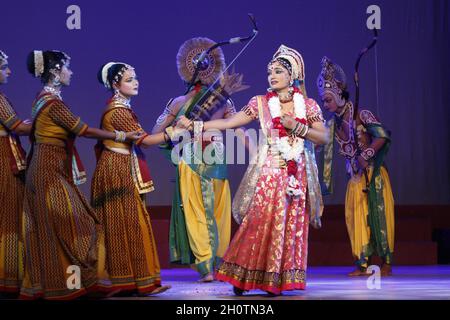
[288, 122]
[27, 121]
[184, 123]
[178, 131]
[134, 135]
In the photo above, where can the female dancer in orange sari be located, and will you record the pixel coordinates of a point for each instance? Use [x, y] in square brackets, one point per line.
[12, 169]
[119, 185]
[63, 239]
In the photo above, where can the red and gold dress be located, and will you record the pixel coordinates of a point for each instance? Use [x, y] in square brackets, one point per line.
[269, 251]
[62, 233]
[120, 181]
[12, 166]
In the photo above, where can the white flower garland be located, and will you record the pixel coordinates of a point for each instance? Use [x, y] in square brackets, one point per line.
[290, 151]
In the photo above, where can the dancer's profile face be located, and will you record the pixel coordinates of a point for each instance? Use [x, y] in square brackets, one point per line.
[278, 76]
[129, 84]
[5, 72]
[329, 102]
[65, 74]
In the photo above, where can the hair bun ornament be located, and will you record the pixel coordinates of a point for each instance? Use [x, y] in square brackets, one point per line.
[105, 70]
[3, 55]
[38, 63]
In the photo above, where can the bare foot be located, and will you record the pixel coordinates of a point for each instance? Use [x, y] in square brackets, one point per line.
[158, 290]
[358, 272]
[208, 278]
[386, 270]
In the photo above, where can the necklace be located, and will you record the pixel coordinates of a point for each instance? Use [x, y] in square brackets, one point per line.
[126, 102]
[52, 90]
[340, 116]
[285, 98]
[290, 151]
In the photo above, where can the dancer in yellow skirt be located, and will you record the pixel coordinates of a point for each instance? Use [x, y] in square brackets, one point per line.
[200, 223]
[12, 173]
[369, 204]
[120, 183]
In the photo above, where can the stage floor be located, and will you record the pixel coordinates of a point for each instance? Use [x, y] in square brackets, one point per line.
[323, 283]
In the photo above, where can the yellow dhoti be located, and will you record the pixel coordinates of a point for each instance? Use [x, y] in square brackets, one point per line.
[356, 215]
[207, 209]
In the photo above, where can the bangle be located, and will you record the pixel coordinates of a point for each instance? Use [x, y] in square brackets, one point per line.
[166, 137]
[301, 130]
[139, 141]
[304, 132]
[294, 131]
[120, 136]
[169, 132]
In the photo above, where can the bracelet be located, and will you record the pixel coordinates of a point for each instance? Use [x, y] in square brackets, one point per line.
[294, 131]
[121, 136]
[304, 131]
[300, 130]
[367, 154]
[249, 112]
[166, 137]
[139, 141]
[169, 132]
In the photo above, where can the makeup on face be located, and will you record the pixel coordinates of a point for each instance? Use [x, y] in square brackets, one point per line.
[5, 72]
[329, 103]
[129, 84]
[278, 76]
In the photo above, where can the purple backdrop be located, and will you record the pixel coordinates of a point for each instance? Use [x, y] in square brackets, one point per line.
[412, 60]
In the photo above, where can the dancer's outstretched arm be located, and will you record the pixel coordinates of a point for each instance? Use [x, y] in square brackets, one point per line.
[95, 133]
[239, 119]
[152, 139]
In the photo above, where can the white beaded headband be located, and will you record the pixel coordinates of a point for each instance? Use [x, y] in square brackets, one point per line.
[38, 63]
[116, 78]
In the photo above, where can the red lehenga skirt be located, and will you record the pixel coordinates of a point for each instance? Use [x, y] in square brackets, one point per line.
[269, 251]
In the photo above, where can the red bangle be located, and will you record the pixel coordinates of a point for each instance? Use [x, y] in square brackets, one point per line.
[139, 141]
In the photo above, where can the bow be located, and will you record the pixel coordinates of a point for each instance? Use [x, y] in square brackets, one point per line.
[223, 43]
[202, 56]
[356, 105]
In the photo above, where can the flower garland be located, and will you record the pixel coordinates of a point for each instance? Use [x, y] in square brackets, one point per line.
[290, 152]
